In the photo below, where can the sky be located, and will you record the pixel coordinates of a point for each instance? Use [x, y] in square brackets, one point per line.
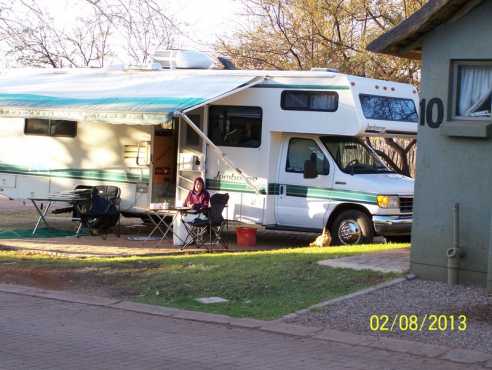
[206, 19]
[201, 21]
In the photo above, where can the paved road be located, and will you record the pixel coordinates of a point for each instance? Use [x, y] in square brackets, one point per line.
[38, 333]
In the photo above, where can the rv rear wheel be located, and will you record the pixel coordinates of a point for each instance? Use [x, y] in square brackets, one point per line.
[352, 227]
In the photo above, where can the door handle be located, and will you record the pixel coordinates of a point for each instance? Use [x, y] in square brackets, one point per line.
[281, 190]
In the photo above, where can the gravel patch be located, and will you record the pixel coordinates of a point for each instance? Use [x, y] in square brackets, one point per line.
[416, 297]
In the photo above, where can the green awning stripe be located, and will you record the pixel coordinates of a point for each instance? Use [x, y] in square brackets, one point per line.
[136, 104]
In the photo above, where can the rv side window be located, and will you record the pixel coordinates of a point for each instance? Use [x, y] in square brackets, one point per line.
[388, 108]
[320, 101]
[63, 128]
[235, 126]
[302, 150]
[37, 127]
[45, 127]
[192, 138]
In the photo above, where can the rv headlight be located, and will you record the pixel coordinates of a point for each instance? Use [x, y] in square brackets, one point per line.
[388, 201]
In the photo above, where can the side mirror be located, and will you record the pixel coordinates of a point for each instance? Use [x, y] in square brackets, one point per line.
[310, 170]
[326, 166]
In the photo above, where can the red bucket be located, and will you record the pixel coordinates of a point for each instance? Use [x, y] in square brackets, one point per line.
[246, 236]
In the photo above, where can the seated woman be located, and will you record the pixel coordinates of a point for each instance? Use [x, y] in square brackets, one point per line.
[198, 198]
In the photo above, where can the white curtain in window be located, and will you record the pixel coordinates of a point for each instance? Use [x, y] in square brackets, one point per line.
[323, 102]
[475, 88]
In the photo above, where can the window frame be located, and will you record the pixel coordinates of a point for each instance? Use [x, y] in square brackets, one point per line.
[454, 88]
[49, 134]
[210, 127]
[310, 93]
[388, 97]
[319, 148]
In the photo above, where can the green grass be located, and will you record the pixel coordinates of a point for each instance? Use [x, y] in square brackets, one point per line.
[264, 285]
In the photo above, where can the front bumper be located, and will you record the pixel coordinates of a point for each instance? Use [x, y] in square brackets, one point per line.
[392, 225]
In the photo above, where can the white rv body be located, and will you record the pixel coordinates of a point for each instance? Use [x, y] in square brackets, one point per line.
[120, 144]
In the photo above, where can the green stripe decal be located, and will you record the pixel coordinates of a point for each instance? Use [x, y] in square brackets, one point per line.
[294, 86]
[230, 186]
[113, 175]
[323, 193]
[297, 191]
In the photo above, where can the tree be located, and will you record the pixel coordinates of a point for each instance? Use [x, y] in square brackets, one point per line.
[143, 25]
[399, 154]
[32, 37]
[130, 29]
[302, 34]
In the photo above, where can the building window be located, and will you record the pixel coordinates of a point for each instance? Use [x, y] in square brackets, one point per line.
[318, 101]
[472, 89]
[45, 127]
[387, 108]
[235, 126]
[302, 150]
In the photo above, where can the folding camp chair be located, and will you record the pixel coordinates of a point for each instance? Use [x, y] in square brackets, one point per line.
[83, 194]
[199, 229]
[101, 212]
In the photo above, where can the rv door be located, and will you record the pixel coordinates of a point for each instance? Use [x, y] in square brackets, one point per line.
[305, 171]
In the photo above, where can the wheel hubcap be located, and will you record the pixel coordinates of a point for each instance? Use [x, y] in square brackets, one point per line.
[349, 232]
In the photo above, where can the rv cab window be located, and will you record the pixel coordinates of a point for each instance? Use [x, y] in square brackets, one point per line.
[235, 126]
[45, 127]
[319, 101]
[353, 156]
[302, 150]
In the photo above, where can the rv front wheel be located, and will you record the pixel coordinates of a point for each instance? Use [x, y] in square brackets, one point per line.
[352, 227]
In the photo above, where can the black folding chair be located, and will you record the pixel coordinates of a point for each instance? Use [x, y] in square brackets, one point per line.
[198, 229]
[101, 212]
[83, 194]
[112, 194]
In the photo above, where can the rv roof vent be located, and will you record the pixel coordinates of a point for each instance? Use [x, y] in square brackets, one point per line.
[184, 59]
[323, 69]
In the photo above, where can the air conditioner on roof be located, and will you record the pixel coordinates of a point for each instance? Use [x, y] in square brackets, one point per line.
[182, 59]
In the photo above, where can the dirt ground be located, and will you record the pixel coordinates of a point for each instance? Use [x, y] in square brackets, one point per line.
[78, 280]
[19, 215]
[22, 216]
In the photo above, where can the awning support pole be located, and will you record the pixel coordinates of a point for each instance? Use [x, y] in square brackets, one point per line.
[219, 152]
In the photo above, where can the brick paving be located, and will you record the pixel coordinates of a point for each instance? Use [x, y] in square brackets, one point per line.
[53, 334]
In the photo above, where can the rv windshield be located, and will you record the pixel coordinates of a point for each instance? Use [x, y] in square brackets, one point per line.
[353, 156]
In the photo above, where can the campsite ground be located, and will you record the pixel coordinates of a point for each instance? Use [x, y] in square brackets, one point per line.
[266, 284]
[262, 284]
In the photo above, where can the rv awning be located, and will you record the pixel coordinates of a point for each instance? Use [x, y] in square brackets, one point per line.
[120, 97]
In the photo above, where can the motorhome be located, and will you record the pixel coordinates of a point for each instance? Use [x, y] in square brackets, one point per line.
[286, 145]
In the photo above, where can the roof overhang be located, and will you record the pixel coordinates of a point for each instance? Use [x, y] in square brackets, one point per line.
[117, 97]
[405, 40]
